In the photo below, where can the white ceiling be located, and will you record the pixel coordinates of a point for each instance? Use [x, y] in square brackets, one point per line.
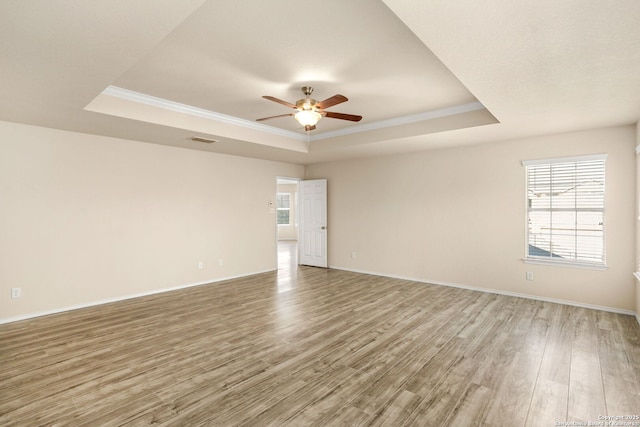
[422, 74]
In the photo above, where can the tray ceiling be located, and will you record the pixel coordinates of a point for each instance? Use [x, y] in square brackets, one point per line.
[422, 74]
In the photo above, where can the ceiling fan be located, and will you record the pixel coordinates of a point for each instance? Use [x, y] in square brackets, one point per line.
[309, 111]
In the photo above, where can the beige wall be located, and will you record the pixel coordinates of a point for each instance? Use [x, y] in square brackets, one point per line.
[457, 216]
[637, 266]
[86, 219]
[289, 232]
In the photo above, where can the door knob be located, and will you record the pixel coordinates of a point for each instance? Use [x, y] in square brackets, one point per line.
[323, 227]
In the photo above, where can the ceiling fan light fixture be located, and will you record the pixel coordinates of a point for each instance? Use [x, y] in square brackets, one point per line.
[308, 117]
[308, 111]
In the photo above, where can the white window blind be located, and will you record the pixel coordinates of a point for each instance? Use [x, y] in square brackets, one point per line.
[283, 206]
[565, 211]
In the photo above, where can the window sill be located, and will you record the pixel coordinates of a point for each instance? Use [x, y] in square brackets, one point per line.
[581, 265]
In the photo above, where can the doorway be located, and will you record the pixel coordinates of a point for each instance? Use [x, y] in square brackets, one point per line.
[287, 224]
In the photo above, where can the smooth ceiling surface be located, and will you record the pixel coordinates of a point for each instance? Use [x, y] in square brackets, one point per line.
[226, 56]
[423, 74]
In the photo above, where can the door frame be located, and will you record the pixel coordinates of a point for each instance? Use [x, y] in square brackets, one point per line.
[275, 211]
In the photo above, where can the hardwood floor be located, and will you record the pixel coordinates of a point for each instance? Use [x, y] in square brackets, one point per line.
[316, 347]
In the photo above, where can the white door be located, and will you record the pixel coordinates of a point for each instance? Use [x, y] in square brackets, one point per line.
[313, 222]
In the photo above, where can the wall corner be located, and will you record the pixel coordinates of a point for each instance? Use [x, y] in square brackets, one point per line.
[637, 254]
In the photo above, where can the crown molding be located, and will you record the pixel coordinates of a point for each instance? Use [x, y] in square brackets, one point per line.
[142, 98]
[153, 101]
[403, 120]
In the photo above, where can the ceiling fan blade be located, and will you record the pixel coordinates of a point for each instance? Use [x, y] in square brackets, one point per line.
[279, 101]
[273, 117]
[342, 116]
[334, 100]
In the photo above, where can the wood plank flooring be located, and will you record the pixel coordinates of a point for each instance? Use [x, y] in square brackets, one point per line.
[316, 347]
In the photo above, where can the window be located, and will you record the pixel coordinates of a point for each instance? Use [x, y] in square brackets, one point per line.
[283, 206]
[565, 211]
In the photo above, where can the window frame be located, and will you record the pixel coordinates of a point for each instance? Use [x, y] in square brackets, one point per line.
[565, 262]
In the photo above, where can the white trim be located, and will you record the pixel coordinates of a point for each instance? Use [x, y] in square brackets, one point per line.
[404, 120]
[638, 149]
[124, 298]
[495, 291]
[586, 158]
[413, 279]
[570, 264]
[637, 276]
[142, 98]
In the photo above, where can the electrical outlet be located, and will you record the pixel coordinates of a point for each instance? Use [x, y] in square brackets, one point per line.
[200, 265]
[16, 292]
[353, 255]
[220, 262]
[529, 275]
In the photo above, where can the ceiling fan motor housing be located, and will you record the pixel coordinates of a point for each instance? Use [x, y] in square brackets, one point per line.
[306, 104]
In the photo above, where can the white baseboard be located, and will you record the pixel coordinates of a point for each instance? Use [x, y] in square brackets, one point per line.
[123, 298]
[413, 279]
[499, 292]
